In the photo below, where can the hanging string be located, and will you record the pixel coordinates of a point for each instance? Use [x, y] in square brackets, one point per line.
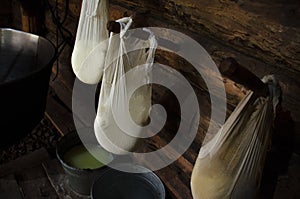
[57, 41]
[61, 31]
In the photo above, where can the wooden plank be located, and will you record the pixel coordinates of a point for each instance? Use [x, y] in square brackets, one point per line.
[25, 162]
[217, 20]
[59, 115]
[58, 180]
[232, 69]
[35, 184]
[59, 109]
[171, 177]
[61, 91]
[32, 16]
[176, 176]
[9, 188]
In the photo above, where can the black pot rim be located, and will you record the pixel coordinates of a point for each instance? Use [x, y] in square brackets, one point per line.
[49, 64]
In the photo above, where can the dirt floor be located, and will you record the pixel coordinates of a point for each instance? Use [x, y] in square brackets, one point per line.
[43, 136]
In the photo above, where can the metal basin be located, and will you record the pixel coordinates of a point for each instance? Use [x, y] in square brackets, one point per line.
[114, 184]
[25, 67]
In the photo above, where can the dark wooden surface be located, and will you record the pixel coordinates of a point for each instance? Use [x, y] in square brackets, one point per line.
[9, 188]
[288, 185]
[35, 184]
[59, 181]
[37, 175]
[25, 178]
[25, 162]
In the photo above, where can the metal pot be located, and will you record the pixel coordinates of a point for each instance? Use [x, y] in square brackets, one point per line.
[114, 183]
[80, 180]
[25, 67]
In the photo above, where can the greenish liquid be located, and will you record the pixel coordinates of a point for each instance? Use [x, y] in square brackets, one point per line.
[79, 157]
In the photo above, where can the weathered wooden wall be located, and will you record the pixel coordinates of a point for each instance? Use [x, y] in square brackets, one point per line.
[263, 36]
[262, 29]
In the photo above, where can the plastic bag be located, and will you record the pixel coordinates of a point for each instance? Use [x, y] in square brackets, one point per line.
[91, 32]
[230, 165]
[114, 95]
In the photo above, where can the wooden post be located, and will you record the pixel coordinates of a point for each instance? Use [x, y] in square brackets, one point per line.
[233, 70]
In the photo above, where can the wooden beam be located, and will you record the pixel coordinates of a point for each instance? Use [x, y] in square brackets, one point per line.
[24, 162]
[35, 184]
[58, 180]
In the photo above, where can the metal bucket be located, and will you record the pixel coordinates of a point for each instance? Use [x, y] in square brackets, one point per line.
[80, 180]
[25, 67]
[118, 184]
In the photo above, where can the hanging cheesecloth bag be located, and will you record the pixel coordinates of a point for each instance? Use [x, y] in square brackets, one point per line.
[121, 135]
[230, 164]
[88, 61]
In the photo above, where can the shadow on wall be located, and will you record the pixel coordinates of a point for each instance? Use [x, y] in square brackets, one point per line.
[279, 155]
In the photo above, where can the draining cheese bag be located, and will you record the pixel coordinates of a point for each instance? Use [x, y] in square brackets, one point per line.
[229, 166]
[121, 115]
[91, 41]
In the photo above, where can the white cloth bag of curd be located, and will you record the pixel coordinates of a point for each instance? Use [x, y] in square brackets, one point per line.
[120, 115]
[230, 165]
[87, 60]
